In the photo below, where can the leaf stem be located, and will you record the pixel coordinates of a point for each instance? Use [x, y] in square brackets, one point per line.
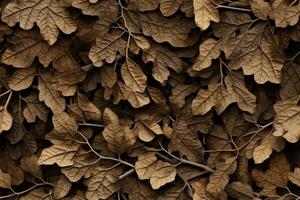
[91, 124]
[234, 8]
[104, 157]
[24, 191]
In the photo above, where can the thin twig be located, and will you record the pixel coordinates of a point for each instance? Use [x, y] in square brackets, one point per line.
[24, 191]
[131, 171]
[234, 8]
[181, 160]
[91, 124]
[104, 157]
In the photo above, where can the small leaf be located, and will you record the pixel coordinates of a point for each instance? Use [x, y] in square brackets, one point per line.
[159, 172]
[6, 120]
[205, 12]
[21, 79]
[5, 180]
[62, 155]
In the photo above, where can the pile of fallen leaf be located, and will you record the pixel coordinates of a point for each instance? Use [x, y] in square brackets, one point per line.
[149, 99]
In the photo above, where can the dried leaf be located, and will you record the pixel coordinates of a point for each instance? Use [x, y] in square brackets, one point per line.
[6, 120]
[286, 122]
[159, 172]
[50, 17]
[220, 96]
[5, 180]
[205, 12]
[62, 155]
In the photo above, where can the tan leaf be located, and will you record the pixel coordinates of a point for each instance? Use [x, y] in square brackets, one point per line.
[137, 99]
[264, 150]
[260, 8]
[62, 187]
[290, 81]
[145, 5]
[294, 176]
[240, 191]
[106, 48]
[106, 10]
[186, 141]
[49, 15]
[52, 98]
[64, 123]
[180, 92]
[137, 189]
[287, 119]
[262, 63]
[30, 165]
[21, 79]
[5, 180]
[147, 130]
[108, 76]
[284, 14]
[118, 137]
[175, 29]
[220, 96]
[169, 7]
[199, 187]
[103, 183]
[61, 154]
[26, 45]
[275, 176]
[162, 59]
[141, 42]
[6, 120]
[82, 167]
[159, 172]
[36, 194]
[209, 50]
[205, 12]
[220, 178]
[34, 108]
[133, 76]
[89, 109]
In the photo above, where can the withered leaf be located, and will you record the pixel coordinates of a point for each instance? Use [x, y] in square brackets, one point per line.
[83, 167]
[106, 48]
[286, 122]
[62, 155]
[263, 150]
[174, 30]
[294, 176]
[6, 120]
[205, 12]
[34, 108]
[169, 7]
[133, 76]
[284, 14]
[261, 9]
[159, 172]
[119, 138]
[64, 123]
[209, 50]
[30, 165]
[103, 183]
[5, 180]
[275, 176]
[49, 15]
[21, 79]
[219, 179]
[88, 108]
[52, 98]
[186, 141]
[220, 96]
[61, 187]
